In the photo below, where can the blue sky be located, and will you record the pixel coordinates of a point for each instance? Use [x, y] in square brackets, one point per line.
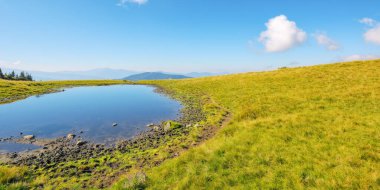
[185, 35]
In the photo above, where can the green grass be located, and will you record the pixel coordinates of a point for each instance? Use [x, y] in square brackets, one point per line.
[302, 128]
[313, 127]
[14, 90]
[9, 174]
[13, 176]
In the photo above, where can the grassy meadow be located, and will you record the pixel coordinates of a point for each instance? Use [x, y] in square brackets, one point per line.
[312, 127]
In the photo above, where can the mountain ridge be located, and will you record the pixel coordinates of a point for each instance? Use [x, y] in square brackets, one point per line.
[154, 76]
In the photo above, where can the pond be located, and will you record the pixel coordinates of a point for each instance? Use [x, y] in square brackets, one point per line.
[88, 111]
[16, 147]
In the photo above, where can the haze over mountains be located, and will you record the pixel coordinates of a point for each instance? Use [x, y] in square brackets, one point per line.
[104, 73]
[154, 76]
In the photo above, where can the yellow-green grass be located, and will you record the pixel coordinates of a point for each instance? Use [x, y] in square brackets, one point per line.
[312, 127]
[14, 90]
[11, 175]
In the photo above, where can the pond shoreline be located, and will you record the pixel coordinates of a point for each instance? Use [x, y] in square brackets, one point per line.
[63, 149]
[65, 159]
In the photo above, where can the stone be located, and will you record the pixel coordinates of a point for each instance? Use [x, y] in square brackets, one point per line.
[29, 137]
[13, 155]
[80, 143]
[70, 136]
[167, 126]
[156, 128]
[170, 125]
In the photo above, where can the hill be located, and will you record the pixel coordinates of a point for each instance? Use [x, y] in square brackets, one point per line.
[153, 76]
[301, 128]
[310, 127]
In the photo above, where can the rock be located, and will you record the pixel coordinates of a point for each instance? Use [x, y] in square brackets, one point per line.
[80, 143]
[29, 137]
[156, 128]
[170, 125]
[114, 124]
[13, 155]
[70, 136]
[167, 126]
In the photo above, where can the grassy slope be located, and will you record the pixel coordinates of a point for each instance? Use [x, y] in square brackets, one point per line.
[292, 128]
[311, 127]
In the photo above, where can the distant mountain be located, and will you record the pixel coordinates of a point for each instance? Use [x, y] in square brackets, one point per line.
[104, 73]
[203, 74]
[107, 73]
[154, 76]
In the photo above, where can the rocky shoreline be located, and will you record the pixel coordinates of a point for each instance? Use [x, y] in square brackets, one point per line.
[73, 158]
[72, 147]
[65, 149]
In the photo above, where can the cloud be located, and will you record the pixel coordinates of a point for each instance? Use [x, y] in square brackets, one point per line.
[124, 2]
[281, 34]
[357, 57]
[16, 62]
[372, 35]
[368, 21]
[9, 63]
[323, 40]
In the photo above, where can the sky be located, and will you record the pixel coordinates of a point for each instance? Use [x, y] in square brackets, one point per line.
[185, 35]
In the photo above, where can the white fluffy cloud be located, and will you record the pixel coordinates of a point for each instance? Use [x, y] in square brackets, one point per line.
[368, 21]
[323, 40]
[140, 2]
[372, 35]
[281, 34]
[358, 57]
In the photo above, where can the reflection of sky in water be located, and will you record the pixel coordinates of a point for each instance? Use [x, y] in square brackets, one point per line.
[89, 109]
[14, 147]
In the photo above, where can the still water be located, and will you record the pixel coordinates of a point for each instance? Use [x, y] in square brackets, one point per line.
[92, 110]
